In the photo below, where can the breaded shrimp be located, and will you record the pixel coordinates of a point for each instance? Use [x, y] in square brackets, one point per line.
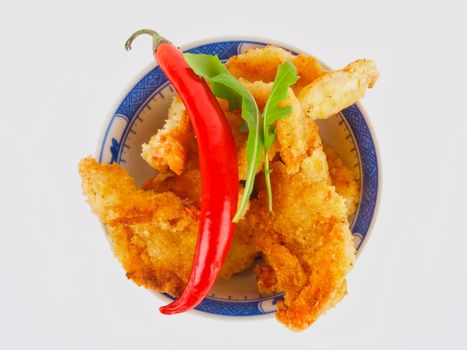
[336, 90]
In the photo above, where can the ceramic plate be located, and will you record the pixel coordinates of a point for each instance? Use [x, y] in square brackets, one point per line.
[143, 110]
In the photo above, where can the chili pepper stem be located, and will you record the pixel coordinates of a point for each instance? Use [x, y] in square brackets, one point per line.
[157, 39]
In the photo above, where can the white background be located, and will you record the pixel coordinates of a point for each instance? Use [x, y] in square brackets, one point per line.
[62, 68]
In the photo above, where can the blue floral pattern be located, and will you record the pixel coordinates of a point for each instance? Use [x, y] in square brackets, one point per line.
[114, 150]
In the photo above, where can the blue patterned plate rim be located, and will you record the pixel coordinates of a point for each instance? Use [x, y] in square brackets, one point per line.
[355, 116]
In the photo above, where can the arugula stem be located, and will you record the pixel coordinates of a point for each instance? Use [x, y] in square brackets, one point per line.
[267, 178]
[257, 146]
[285, 77]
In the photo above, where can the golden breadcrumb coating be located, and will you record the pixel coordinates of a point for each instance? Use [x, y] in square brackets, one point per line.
[336, 90]
[186, 186]
[344, 181]
[169, 147]
[308, 69]
[260, 64]
[266, 279]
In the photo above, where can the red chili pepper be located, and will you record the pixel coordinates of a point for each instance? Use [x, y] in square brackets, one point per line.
[219, 171]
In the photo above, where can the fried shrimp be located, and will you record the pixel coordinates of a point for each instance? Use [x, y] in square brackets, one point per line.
[334, 91]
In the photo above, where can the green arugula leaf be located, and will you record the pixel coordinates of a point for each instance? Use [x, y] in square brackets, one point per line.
[208, 67]
[286, 76]
[226, 86]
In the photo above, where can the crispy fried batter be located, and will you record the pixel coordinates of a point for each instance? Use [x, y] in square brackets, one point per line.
[344, 181]
[308, 69]
[315, 167]
[168, 149]
[152, 234]
[334, 91]
[260, 64]
[186, 185]
[266, 279]
[308, 244]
